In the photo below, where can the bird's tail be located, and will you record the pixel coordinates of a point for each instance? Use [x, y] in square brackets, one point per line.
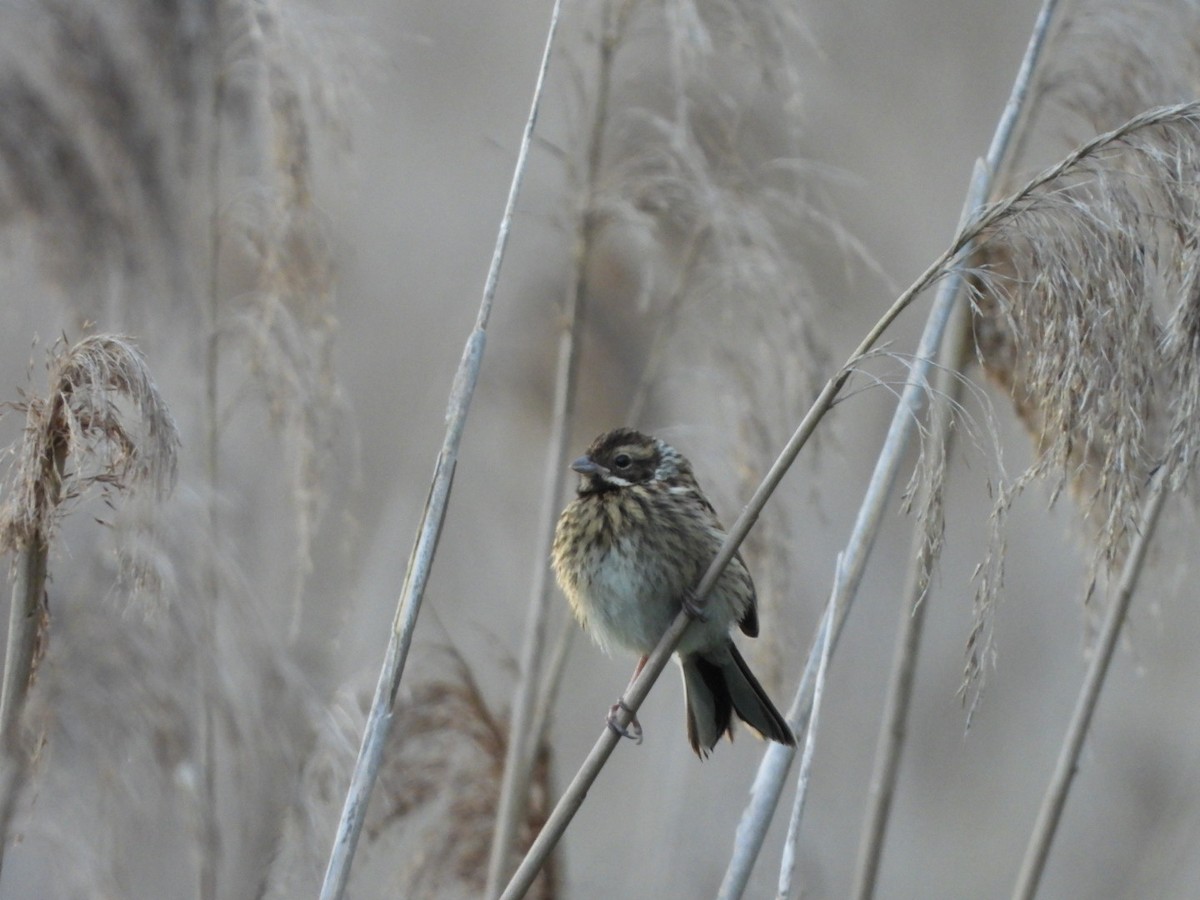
[718, 685]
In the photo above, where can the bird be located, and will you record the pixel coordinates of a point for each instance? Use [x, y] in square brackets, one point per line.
[628, 552]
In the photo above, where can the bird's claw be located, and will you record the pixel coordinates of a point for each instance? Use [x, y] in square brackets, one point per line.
[633, 731]
[693, 607]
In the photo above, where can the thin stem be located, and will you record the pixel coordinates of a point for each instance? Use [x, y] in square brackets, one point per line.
[519, 754]
[915, 602]
[769, 782]
[1055, 799]
[208, 825]
[25, 611]
[573, 797]
[1004, 147]
[787, 866]
[24, 623]
[379, 718]
[521, 751]
[755, 819]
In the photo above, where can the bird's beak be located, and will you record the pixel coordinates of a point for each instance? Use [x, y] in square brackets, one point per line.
[585, 466]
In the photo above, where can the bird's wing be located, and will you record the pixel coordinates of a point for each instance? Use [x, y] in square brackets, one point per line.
[749, 618]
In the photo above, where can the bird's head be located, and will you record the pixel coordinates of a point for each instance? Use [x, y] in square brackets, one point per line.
[624, 457]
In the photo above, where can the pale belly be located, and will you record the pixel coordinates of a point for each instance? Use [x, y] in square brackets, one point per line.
[630, 603]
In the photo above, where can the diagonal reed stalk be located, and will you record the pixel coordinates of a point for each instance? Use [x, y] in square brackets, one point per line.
[636, 692]
[777, 759]
[947, 267]
[379, 718]
[1055, 798]
[773, 770]
[787, 866]
[28, 607]
[27, 620]
[914, 604]
[526, 719]
[915, 601]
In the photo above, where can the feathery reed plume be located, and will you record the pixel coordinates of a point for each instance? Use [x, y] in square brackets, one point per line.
[1083, 314]
[102, 426]
[106, 110]
[1111, 60]
[451, 737]
[109, 111]
[1102, 262]
[270, 293]
[272, 274]
[96, 126]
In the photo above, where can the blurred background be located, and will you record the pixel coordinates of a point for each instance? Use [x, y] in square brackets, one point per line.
[321, 186]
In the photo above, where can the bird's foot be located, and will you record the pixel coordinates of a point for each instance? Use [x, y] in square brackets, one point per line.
[633, 731]
[693, 607]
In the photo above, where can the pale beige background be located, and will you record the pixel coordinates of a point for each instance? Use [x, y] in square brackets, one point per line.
[902, 97]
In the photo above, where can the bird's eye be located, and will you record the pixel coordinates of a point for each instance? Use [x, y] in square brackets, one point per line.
[622, 461]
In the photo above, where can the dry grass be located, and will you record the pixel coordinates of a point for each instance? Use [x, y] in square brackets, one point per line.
[429, 828]
[114, 116]
[103, 425]
[1082, 317]
[162, 161]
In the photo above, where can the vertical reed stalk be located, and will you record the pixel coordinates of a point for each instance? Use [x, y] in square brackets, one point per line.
[522, 734]
[379, 718]
[209, 843]
[755, 819]
[914, 605]
[1055, 799]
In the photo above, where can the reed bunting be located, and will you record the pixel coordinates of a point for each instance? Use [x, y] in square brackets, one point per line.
[629, 550]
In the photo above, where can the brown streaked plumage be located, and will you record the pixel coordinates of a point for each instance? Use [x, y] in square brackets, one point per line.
[629, 550]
